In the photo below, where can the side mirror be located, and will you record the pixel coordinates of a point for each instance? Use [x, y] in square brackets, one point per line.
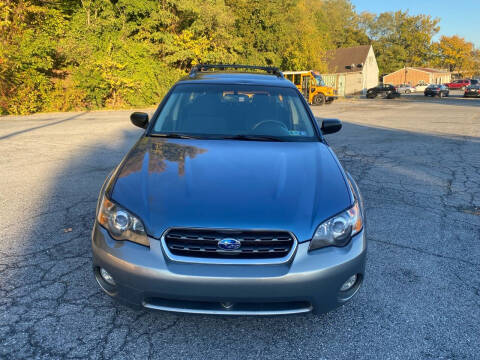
[330, 126]
[139, 119]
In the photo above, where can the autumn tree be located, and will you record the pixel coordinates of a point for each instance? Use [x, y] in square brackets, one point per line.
[455, 54]
[77, 54]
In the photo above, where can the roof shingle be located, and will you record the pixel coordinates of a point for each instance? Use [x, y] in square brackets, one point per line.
[338, 59]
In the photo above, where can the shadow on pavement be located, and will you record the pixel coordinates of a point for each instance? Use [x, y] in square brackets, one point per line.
[419, 287]
[41, 126]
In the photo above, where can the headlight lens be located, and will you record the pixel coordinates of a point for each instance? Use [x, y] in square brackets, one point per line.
[338, 230]
[121, 224]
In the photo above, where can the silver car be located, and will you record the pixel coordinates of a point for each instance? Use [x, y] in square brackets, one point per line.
[406, 89]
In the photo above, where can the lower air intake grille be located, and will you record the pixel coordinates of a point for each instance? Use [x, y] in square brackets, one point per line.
[236, 244]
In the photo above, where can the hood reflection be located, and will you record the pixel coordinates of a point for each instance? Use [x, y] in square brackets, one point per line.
[158, 151]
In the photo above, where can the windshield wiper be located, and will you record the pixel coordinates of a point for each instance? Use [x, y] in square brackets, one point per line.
[219, 137]
[253, 137]
[174, 136]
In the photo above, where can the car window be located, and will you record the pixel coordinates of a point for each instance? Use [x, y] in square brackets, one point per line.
[218, 111]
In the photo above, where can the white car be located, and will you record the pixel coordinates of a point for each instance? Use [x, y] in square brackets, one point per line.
[421, 87]
[406, 89]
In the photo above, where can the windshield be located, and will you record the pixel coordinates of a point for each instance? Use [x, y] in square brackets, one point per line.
[244, 112]
[319, 80]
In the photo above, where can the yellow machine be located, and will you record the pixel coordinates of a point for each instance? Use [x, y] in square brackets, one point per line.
[312, 86]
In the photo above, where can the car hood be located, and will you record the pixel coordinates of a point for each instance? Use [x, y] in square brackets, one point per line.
[231, 184]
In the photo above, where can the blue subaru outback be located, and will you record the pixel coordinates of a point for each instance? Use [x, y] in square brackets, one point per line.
[231, 202]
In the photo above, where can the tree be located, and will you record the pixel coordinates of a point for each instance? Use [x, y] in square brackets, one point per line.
[28, 54]
[400, 39]
[75, 54]
[339, 24]
[456, 54]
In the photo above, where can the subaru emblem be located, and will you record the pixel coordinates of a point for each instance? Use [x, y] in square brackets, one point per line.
[229, 244]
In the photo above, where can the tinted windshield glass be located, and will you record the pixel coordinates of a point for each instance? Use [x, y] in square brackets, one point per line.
[223, 111]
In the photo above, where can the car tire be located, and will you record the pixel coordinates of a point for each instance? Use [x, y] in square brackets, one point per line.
[371, 96]
[318, 100]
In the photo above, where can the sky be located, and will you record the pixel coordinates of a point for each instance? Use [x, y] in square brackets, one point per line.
[457, 17]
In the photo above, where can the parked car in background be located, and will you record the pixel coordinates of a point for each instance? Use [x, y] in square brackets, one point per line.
[460, 84]
[436, 90]
[421, 86]
[406, 88]
[383, 90]
[472, 91]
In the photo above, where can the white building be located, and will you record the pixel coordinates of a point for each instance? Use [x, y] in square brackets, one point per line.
[351, 71]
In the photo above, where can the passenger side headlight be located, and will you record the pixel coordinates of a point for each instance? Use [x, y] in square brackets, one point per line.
[338, 230]
[121, 224]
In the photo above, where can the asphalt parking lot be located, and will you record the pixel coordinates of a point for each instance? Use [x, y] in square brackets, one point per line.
[417, 162]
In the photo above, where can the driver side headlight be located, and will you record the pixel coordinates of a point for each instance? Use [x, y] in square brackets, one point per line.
[121, 224]
[338, 230]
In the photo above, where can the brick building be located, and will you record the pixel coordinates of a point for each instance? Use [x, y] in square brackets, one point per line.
[416, 75]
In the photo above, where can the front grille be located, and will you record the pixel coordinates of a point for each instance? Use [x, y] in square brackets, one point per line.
[253, 244]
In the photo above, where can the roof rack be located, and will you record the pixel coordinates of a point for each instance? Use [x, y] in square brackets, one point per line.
[204, 67]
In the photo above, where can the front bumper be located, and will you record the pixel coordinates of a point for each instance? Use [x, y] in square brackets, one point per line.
[146, 277]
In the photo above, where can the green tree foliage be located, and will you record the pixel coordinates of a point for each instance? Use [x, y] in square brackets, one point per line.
[28, 57]
[77, 54]
[340, 25]
[400, 39]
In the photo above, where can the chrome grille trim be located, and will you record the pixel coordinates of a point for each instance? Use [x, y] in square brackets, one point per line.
[225, 258]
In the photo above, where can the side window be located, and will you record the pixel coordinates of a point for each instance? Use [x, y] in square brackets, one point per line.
[297, 80]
